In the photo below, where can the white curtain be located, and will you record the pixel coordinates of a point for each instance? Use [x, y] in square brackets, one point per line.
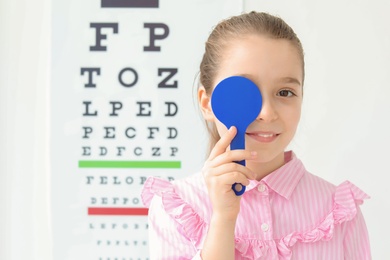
[24, 176]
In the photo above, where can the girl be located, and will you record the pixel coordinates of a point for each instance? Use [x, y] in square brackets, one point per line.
[285, 212]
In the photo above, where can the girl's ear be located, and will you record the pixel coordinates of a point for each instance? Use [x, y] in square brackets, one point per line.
[205, 104]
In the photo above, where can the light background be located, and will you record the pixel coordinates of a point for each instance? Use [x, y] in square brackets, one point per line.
[344, 132]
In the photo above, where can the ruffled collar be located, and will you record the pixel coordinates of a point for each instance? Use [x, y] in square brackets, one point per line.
[285, 179]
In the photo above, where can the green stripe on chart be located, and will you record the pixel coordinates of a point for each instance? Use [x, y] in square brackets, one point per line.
[130, 164]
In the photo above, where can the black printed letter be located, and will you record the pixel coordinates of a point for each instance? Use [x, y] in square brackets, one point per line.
[171, 72]
[90, 71]
[153, 36]
[128, 85]
[100, 36]
[169, 112]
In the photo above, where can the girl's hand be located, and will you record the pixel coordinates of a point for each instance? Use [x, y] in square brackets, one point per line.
[220, 172]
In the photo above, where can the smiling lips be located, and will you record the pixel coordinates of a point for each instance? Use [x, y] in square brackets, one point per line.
[264, 137]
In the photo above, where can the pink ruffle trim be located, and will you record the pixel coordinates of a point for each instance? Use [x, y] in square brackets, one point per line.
[346, 199]
[189, 223]
[192, 226]
[254, 248]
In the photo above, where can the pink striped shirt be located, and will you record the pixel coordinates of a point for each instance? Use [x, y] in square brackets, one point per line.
[289, 214]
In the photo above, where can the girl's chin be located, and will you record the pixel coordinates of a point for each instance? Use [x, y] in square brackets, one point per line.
[267, 157]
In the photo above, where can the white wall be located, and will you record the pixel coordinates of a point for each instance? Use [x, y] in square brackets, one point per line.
[344, 132]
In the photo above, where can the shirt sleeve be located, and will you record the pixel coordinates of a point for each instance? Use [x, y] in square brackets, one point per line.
[165, 242]
[356, 240]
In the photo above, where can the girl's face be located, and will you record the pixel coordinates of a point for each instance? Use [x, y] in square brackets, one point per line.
[274, 65]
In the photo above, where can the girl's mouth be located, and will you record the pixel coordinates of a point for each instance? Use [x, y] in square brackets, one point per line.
[264, 137]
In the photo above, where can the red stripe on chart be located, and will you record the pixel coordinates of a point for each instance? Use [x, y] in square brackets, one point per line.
[118, 211]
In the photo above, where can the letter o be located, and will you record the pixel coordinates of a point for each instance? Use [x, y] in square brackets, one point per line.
[135, 201]
[129, 180]
[128, 85]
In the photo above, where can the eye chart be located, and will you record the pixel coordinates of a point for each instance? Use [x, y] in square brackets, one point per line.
[122, 108]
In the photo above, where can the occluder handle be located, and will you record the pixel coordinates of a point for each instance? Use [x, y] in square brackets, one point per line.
[238, 142]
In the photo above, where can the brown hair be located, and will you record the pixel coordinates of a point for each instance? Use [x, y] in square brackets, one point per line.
[234, 28]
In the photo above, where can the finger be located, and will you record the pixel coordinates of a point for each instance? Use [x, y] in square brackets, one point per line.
[233, 167]
[233, 177]
[223, 143]
[232, 156]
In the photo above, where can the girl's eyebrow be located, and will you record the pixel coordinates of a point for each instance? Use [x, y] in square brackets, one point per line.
[282, 80]
[244, 75]
[290, 80]
[248, 76]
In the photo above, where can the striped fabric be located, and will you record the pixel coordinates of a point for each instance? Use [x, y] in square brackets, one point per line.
[289, 214]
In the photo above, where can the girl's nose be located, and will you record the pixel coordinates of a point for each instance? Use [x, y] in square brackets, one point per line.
[268, 112]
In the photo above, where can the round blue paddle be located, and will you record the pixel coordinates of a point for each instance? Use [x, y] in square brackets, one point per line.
[236, 101]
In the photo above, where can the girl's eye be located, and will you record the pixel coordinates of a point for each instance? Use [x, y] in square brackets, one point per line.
[285, 93]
